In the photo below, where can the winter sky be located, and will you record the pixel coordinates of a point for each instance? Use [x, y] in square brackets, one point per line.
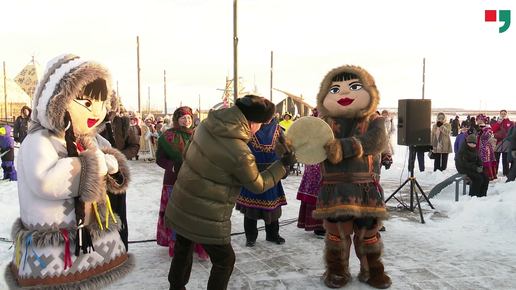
[469, 64]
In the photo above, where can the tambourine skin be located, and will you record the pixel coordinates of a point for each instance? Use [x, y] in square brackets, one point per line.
[308, 136]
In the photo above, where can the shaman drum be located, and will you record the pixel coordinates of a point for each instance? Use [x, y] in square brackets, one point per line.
[308, 136]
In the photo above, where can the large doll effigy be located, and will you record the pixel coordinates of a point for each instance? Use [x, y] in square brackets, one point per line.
[67, 235]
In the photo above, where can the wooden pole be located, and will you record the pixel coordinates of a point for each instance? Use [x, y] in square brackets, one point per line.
[235, 51]
[5, 93]
[165, 88]
[138, 69]
[272, 57]
[423, 78]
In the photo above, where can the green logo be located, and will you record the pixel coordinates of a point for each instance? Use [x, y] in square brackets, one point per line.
[503, 16]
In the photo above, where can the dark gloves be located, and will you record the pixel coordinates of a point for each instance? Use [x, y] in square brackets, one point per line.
[480, 169]
[288, 159]
[439, 123]
[177, 166]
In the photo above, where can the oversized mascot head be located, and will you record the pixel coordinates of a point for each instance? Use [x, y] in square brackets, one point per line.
[73, 93]
[347, 92]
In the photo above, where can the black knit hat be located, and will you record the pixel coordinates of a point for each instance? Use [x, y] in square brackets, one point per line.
[256, 109]
[471, 139]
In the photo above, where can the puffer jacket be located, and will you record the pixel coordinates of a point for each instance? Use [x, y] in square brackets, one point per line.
[217, 163]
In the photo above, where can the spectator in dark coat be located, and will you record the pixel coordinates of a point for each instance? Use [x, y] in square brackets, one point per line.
[22, 124]
[455, 125]
[468, 162]
[511, 152]
[465, 123]
[118, 132]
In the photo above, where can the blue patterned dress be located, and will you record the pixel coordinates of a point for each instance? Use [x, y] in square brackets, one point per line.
[266, 206]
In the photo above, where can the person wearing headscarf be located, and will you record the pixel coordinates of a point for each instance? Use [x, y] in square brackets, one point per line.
[307, 193]
[67, 236]
[485, 148]
[169, 157]
[148, 139]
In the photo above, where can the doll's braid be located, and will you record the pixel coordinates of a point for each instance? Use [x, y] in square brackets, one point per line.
[84, 241]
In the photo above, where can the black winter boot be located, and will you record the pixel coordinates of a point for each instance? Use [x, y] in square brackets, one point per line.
[251, 231]
[272, 231]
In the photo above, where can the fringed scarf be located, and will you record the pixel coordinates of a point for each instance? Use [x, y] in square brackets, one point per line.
[173, 140]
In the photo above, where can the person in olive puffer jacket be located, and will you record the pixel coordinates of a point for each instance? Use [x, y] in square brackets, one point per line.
[217, 162]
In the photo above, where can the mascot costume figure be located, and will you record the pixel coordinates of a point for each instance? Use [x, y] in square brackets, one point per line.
[351, 200]
[67, 236]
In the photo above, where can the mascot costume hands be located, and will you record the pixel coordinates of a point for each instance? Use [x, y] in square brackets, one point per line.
[351, 200]
[67, 235]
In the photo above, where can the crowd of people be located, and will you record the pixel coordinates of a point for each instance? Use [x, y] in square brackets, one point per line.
[93, 137]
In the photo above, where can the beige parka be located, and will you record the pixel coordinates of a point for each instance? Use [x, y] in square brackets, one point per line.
[217, 163]
[443, 145]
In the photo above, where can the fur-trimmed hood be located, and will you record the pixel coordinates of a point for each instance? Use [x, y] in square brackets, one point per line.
[437, 116]
[63, 80]
[368, 83]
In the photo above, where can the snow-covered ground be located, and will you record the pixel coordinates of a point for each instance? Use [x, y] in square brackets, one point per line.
[463, 245]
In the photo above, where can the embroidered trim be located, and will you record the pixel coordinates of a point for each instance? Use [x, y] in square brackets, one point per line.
[333, 238]
[371, 241]
[265, 204]
[267, 148]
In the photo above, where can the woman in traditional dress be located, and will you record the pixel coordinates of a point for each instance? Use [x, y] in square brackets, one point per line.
[485, 147]
[307, 194]
[148, 140]
[266, 206]
[169, 157]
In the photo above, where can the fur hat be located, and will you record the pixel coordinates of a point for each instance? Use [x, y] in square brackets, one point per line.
[367, 81]
[471, 139]
[256, 109]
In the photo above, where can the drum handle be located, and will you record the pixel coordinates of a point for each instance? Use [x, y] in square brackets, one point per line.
[281, 139]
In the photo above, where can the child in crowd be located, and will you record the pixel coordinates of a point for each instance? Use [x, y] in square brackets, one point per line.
[460, 139]
[7, 153]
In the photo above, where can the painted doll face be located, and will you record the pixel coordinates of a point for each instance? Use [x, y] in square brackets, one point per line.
[346, 95]
[185, 121]
[86, 114]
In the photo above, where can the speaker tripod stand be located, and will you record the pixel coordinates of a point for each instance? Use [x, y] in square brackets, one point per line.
[413, 184]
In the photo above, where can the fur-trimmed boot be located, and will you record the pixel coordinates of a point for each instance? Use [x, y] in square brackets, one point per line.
[336, 258]
[369, 251]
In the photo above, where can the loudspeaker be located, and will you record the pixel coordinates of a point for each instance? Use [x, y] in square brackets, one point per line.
[414, 122]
